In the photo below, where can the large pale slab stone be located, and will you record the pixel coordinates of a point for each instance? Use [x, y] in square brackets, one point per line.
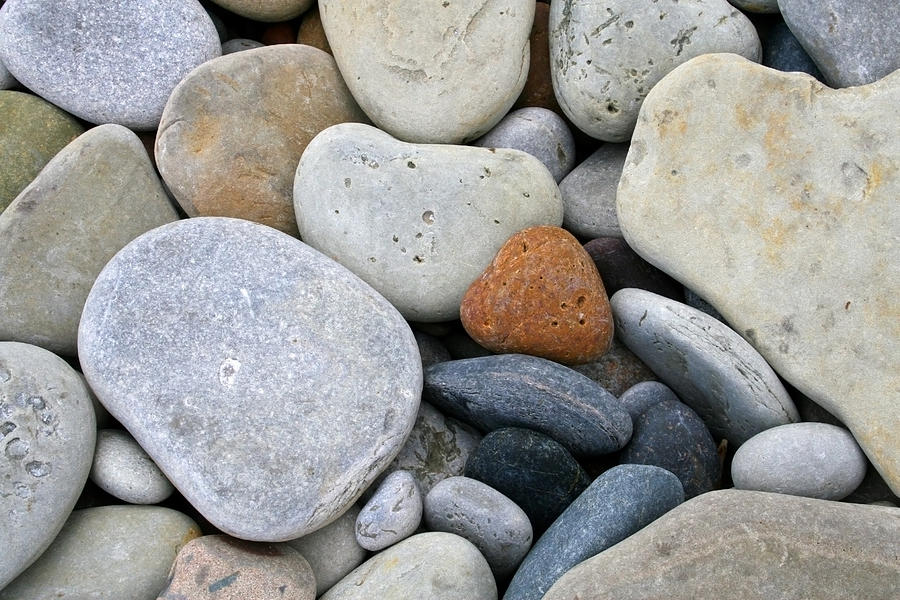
[775, 198]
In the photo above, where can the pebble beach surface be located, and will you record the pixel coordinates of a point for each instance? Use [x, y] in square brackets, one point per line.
[449, 299]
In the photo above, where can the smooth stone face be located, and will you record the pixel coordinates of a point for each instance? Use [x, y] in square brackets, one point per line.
[239, 45]
[515, 390]
[538, 131]
[32, 131]
[393, 513]
[708, 547]
[854, 42]
[435, 565]
[234, 129]
[123, 469]
[533, 470]
[332, 551]
[272, 327]
[617, 370]
[107, 553]
[437, 447]
[589, 193]
[47, 433]
[266, 10]
[756, 6]
[106, 63]
[418, 69]
[311, 32]
[99, 193]
[671, 436]
[783, 51]
[621, 267]
[495, 524]
[790, 243]
[638, 398]
[816, 460]
[417, 222]
[618, 503]
[219, 567]
[541, 295]
[606, 56]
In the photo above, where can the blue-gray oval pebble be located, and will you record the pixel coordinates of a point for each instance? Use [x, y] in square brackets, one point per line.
[670, 435]
[782, 51]
[392, 513]
[643, 395]
[617, 504]
[515, 390]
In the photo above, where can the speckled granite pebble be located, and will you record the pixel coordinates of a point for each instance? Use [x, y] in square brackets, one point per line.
[122, 468]
[392, 513]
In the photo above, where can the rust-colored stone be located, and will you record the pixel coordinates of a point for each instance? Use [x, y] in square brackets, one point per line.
[542, 296]
[279, 33]
[311, 31]
[538, 90]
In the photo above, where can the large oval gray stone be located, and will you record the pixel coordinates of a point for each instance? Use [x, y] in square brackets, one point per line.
[718, 544]
[107, 553]
[103, 62]
[417, 222]
[794, 243]
[435, 565]
[419, 69]
[711, 368]
[606, 56]
[302, 382]
[47, 433]
[96, 195]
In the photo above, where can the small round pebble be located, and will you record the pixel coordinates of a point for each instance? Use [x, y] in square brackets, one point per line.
[392, 513]
[642, 396]
[123, 469]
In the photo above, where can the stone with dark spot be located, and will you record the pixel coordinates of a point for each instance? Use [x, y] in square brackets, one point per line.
[287, 349]
[234, 129]
[532, 470]
[541, 295]
[516, 390]
[783, 51]
[709, 366]
[616, 505]
[670, 435]
[47, 434]
[621, 267]
[617, 370]
[638, 398]
[219, 567]
[392, 513]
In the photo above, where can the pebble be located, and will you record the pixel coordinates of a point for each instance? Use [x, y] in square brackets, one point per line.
[783, 51]
[122, 468]
[694, 301]
[538, 131]
[639, 397]
[617, 504]
[239, 45]
[816, 460]
[287, 350]
[853, 42]
[31, 133]
[671, 436]
[431, 349]
[417, 222]
[589, 193]
[219, 567]
[234, 129]
[716, 546]
[106, 63]
[96, 195]
[435, 565]
[711, 368]
[393, 513]
[107, 553]
[332, 551]
[531, 469]
[607, 56]
[515, 390]
[541, 295]
[268, 11]
[311, 32]
[787, 242]
[495, 524]
[621, 267]
[47, 436]
[419, 73]
[437, 447]
[617, 370]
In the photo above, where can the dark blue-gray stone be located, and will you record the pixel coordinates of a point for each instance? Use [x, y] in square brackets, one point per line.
[643, 395]
[670, 435]
[782, 51]
[617, 504]
[515, 390]
[532, 470]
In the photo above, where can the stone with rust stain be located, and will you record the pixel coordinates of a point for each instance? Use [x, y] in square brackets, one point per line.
[233, 131]
[542, 296]
[219, 567]
[538, 90]
[793, 243]
[311, 31]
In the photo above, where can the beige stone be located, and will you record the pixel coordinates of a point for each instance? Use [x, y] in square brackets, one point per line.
[266, 10]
